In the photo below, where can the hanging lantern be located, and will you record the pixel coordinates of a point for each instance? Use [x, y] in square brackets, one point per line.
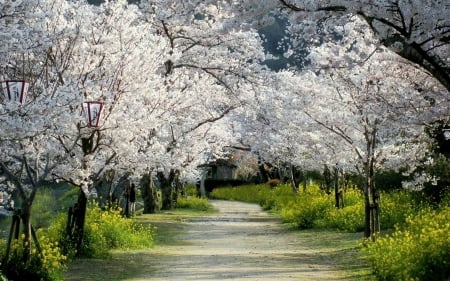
[92, 111]
[15, 90]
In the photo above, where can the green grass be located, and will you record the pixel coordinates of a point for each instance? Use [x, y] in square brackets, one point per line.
[169, 224]
[194, 203]
[342, 248]
[128, 264]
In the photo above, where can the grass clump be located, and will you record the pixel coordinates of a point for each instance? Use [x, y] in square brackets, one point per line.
[194, 203]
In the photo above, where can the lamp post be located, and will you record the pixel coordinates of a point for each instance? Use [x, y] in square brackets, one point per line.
[15, 90]
[92, 111]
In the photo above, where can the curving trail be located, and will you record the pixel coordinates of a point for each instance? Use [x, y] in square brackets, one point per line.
[239, 242]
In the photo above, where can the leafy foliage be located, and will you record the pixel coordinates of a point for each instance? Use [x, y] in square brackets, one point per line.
[194, 203]
[315, 209]
[419, 250]
[105, 230]
[46, 265]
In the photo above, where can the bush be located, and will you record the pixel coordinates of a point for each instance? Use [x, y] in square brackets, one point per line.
[44, 206]
[350, 218]
[194, 203]
[246, 193]
[46, 265]
[104, 230]
[191, 190]
[314, 208]
[306, 210]
[396, 206]
[420, 250]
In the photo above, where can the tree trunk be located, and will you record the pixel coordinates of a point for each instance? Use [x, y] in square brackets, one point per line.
[167, 188]
[294, 182]
[367, 213]
[372, 208]
[336, 188]
[202, 185]
[79, 217]
[305, 184]
[149, 194]
[327, 179]
[25, 216]
[176, 186]
[262, 170]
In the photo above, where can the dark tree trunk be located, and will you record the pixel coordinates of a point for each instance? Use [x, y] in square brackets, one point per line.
[372, 208]
[305, 184]
[25, 217]
[120, 195]
[337, 193]
[262, 170]
[75, 222]
[327, 179]
[80, 218]
[149, 194]
[167, 189]
[294, 182]
[176, 186]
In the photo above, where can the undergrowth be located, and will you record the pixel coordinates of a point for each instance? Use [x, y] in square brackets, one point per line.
[418, 247]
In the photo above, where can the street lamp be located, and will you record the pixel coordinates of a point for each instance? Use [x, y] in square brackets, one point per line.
[15, 90]
[92, 111]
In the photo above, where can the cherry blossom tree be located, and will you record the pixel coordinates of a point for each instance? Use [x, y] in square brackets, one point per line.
[27, 126]
[416, 30]
[101, 53]
[378, 112]
[205, 53]
[93, 53]
[369, 114]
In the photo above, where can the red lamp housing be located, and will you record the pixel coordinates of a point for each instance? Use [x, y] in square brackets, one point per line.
[15, 90]
[92, 111]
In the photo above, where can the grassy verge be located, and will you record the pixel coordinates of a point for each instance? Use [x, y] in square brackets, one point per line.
[342, 248]
[128, 264]
[169, 224]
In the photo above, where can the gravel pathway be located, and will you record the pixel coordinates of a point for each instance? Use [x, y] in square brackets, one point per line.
[241, 242]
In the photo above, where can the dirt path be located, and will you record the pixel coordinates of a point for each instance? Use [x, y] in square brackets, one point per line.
[242, 243]
[239, 242]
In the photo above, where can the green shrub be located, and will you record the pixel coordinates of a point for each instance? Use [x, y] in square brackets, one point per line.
[44, 206]
[47, 265]
[314, 208]
[194, 203]
[104, 230]
[306, 210]
[108, 229]
[420, 250]
[395, 207]
[246, 193]
[349, 218]
[191, 190]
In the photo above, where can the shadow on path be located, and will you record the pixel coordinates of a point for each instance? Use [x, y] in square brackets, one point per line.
[239, 242]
